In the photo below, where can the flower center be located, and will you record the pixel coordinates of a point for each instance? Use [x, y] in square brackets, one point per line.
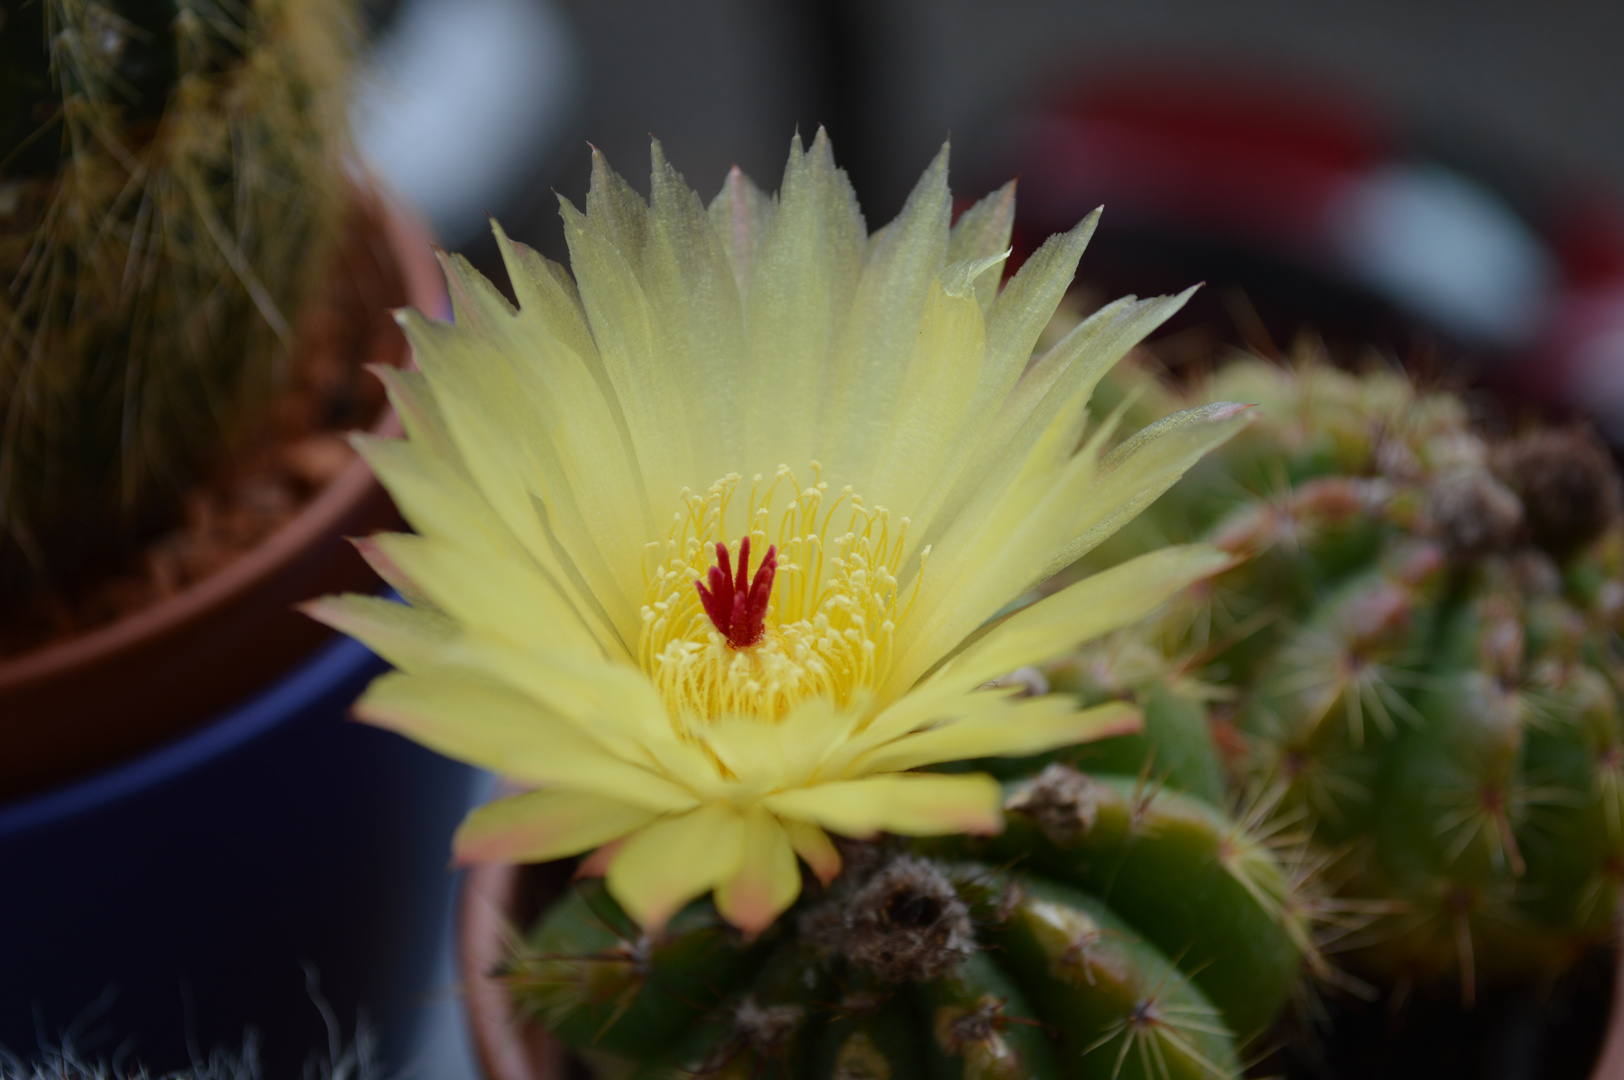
[816, 619]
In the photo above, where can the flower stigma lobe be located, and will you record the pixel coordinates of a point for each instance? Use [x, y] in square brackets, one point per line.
[738, 608]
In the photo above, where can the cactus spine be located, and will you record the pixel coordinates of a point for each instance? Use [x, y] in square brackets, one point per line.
[1417, 658]
[169, 183]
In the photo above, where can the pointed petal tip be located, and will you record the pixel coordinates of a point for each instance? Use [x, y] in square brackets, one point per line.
[989, 827]
[596, 865]
[314, 609]
[1224, 410]
[752, 920]
[1131, 723]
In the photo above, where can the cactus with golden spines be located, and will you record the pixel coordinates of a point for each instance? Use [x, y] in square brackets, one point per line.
[170, 184]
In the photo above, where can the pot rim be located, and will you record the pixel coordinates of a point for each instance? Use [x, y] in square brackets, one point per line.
[225, 733]
[317, 518]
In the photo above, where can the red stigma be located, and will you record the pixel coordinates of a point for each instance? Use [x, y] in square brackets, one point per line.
[736, 604]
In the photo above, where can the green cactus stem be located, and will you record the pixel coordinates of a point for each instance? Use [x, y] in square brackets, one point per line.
[1116, 929]
[1416, 659]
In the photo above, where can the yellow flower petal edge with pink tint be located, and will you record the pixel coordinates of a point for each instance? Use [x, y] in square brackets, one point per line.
[716, 530]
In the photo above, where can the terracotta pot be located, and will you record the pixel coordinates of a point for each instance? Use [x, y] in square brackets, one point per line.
[496, 903]
[99, 698]
[1610, 1066]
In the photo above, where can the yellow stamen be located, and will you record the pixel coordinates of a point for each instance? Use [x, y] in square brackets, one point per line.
[833, 613]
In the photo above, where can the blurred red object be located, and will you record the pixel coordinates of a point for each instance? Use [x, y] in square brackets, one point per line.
[1316, 206]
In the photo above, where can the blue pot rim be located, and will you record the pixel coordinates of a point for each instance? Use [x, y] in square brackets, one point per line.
[284, 699]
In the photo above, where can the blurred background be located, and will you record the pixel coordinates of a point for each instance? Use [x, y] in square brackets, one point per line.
[1441, 181]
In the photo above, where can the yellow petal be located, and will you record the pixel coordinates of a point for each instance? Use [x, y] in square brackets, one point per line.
[393, 575]
[649, 392]
[1098, 604]
[925, 434]
[1063, 379]
[981, 231]
[766, 757]
[498, 729]
[911, 804]
[1026, 304]
[616, 210]
[419, 414]
[813, 845]
[1024, 727]
[441, 501]
[871, 361]
[1134, 474]
[435, 493]
[675, 860]
[542, 448]
[596, 864]
[407, 637]
[548, 297]
[506, 598]
[928, 705]
[611, 703]
[742, 215]
[767, 882]
[1075, 510]
[695, 302]
[800, 290]
[539, 825]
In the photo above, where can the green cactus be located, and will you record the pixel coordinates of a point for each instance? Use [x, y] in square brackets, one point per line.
[170, 184]
[1416, 659]
[1117, 928]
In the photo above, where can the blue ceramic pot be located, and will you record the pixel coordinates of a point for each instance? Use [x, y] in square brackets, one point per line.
[167, 904]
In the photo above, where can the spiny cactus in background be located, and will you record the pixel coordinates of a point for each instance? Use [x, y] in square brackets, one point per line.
[1416, 659]
[170, 181]
[344, 1060]
[1115, 929]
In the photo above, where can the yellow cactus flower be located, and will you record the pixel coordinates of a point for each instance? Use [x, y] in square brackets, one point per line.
[712, 536]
